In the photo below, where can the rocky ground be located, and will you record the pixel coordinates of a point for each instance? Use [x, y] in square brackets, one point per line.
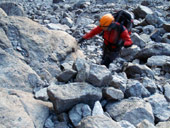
[49, 81]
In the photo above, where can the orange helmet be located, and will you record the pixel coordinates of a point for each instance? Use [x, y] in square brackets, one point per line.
[106, 20]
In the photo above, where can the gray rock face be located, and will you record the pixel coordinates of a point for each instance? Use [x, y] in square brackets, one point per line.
[111, 93]
[158, 60]
[167, 91]
[16, 74]
[145, 124]
[12, 9]
[138, 40]
[133, 110]
[126, 124]
[20, 109]
[154, 49]
[136, 70]
[99, 75]
[141, 11]
[100, 121]
[160, 107]
[78, 112]
[163, 124]
[37, 44]
[119, 81]
[33, 56]
[2, 13]
[72, 94]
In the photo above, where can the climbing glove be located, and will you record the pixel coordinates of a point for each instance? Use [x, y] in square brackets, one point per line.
[81, 40]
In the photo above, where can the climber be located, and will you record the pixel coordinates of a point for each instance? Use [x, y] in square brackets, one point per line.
[115, 36]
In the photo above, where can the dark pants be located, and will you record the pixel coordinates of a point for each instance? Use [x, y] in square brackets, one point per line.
[109, 55]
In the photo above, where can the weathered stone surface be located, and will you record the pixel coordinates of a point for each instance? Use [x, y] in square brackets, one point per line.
[158, 60]
[19, 109]
[137, 70]
[38, 44]
[145, 124]
[72, 94]
[99, 75]
[100, 121]
[141, 11]
[167, 91]
[111, 93]
[160, 107]
[166, 26]
[133, 110]
[78, 112]
[16, 74]
[2, 13]
[154, 49]
[12, 9]
[119, 81]
[165, 124]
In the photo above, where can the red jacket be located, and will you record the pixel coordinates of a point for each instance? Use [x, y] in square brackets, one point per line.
[110, 36]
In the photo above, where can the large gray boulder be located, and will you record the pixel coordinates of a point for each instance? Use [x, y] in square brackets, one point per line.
[160, 107]
[20, 110]
[133, 110]
[64, 97]
[16, 74]
[137, 70]
[42, 49]
[141, 11]
[154, 49]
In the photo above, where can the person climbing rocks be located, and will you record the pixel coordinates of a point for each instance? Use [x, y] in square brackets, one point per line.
[114, 33]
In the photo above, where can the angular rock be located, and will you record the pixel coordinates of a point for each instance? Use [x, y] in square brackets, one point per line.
[137, 40]
[149, 84]
[137, 70]
[97, 109]
[166, 38]
[12, 9]
[126, 124]
[141, 11]
[2, 13]
[72, 94]
[100, 121]
[38, 43]
[78, 112]
[166, 26]
[19, 109]
[99, 75]
[42, 94]
[154, 49]
[165, 124]
[16, 74]
[160, 107]
[158, 60]
[130, 53]
[154, 19]
[66, 75]
[166, 67]
[119, 81]
[133, 110]
[82, 68]
[145, 124]
[156, 35]
[111, 93]
[167, 91]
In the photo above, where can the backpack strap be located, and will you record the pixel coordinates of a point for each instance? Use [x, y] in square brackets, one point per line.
[119, 28]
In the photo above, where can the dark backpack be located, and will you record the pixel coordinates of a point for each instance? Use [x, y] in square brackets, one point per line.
[124, 18]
